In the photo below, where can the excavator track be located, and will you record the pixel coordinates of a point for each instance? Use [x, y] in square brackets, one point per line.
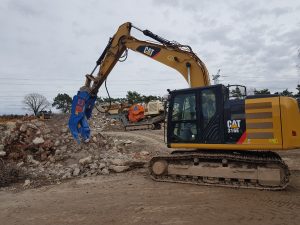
[151, 124]
[237, 169]
[146, 126]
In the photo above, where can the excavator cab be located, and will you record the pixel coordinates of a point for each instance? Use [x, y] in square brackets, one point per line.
[215, 117]
[196, 115]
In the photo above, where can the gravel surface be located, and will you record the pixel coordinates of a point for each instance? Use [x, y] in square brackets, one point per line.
[106, 182]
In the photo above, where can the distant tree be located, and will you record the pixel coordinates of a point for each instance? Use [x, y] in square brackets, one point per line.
[35, 103]
[236, 93]
[63, 102]
[134, 97]
[262, 92]
[149, 98]
[298, 89]
[99, 100]
[107, 100]
[286, 93]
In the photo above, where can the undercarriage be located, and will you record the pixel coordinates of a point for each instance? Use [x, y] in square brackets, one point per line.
[240, 169]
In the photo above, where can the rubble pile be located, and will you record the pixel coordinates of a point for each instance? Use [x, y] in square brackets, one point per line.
[46, 149]
[99, 122]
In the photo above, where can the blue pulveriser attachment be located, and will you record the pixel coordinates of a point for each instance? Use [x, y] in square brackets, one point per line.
[82, 107]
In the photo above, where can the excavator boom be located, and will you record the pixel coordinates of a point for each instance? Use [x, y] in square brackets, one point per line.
[172, 54]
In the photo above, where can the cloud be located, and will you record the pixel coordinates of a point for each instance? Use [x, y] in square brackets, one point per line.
[24, 8]
[168, 3]
[53, 44]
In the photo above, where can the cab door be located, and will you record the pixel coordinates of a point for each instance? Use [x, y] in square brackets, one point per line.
[211, 115]
[183, 126]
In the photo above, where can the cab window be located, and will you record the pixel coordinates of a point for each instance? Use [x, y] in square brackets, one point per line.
[184, 107]
[184, 126]
[208, 105]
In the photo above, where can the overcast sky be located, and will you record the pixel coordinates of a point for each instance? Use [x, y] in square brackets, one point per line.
[48, 46]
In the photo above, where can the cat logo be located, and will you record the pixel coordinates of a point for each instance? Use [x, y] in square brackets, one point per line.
[233, 126]
[148, 51]
[171, 58]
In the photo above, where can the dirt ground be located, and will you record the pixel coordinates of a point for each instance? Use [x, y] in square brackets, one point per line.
[133, 198]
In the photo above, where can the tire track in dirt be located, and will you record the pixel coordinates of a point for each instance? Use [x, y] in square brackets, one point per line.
[150, 138]
[243, 206]
[152, 134]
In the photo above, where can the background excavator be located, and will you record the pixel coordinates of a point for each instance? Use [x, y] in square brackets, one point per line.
[219, 141]
[138, 116]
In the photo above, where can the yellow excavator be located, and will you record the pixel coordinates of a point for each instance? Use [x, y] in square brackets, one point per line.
[218, 140]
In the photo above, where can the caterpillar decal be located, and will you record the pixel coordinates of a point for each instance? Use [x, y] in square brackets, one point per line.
[233, 126]
[148, 50]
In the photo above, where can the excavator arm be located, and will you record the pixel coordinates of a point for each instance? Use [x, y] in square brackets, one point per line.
[177, 56]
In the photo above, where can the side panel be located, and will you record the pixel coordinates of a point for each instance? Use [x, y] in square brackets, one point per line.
[290, 113]
[263, 122]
